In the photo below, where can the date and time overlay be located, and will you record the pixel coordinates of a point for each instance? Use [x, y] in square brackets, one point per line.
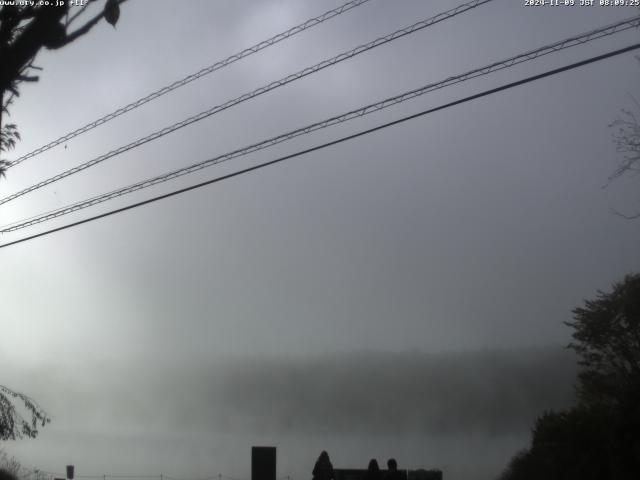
[581, 3]
[526, 3]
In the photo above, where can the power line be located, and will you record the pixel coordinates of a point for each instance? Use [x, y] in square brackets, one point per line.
[530, 55]
[386, 103]
[194, 76]
[335, 142]
[247, 96]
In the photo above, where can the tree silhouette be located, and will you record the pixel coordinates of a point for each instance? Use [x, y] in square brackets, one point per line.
[24, 31]
[607, 340]
[600, 436]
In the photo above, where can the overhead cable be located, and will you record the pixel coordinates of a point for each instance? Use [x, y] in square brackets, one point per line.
[194, 76]
[386, 103]
[334, 142]
[247, 96]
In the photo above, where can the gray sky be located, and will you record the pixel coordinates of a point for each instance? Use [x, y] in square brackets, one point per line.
[472, 229]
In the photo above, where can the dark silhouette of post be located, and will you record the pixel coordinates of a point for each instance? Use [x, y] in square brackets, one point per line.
[263, 463]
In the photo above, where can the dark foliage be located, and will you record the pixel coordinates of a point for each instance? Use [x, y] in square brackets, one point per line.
[600, 437]
[13, 424]
[607, 341]
[8, 136]
[7, 475]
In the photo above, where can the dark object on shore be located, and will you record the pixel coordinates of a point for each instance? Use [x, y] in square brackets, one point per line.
[425, 474]
[373, 471]
[323, 470]
[6, 475]
[392, 471]
[359, 474]
[263, 463]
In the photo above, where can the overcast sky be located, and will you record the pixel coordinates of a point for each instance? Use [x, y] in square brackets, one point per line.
[473, 229]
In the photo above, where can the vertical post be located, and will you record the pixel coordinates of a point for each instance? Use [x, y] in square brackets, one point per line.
[263, 463]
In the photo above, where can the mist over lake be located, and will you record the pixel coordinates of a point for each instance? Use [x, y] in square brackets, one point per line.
[398, 287]
[465, 413]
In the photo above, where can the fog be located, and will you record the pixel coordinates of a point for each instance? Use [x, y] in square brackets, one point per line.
[464, 412]
[402, 294]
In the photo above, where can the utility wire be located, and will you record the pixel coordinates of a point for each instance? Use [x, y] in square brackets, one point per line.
[194, 76]
[386, 103]
[335, 142]
[247, 96]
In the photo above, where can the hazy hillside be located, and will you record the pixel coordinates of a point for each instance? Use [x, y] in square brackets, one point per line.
[467, 413]
[488, 392]
[493, 391]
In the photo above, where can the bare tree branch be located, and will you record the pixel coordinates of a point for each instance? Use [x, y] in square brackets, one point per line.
[627, 217]
[28, 78]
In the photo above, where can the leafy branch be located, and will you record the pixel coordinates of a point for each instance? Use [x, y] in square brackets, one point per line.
[13, 424]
